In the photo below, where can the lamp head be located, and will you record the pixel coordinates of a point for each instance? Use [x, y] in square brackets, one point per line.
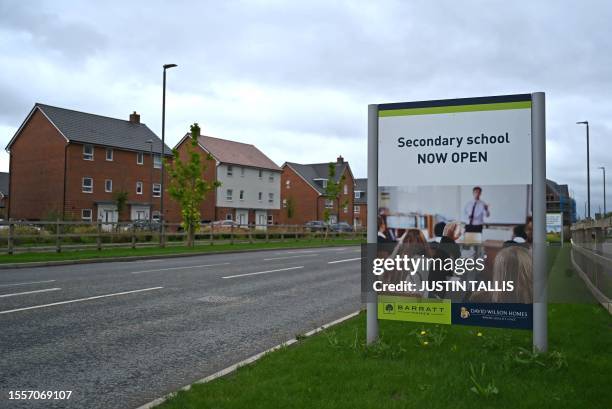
[582, 123]
[166, 66]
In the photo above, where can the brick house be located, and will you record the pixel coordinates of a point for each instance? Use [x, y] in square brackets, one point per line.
[4, 194]
[70, 164]
[250, 182]
[360, 208]
[303, 193]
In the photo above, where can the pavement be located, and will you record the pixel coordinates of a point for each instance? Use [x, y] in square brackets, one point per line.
[120, 334]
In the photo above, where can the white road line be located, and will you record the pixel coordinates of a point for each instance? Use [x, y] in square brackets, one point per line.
[263, 272]
[29, 292]
[80, 300]
[285, 258]
[296, 252]
[179, 268]
[28, 283]
[344, 261]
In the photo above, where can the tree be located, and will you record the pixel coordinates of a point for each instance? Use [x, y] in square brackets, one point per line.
[186, 184]
[120, 198]
[332, 192]
[290, 208]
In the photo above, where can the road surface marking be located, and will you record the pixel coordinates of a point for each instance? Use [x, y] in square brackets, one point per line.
[296, 252]
[28, 283]
[285, 258]
[263, 272]
[179, 268]
[80, 300]
[344, 261]
[29, 292]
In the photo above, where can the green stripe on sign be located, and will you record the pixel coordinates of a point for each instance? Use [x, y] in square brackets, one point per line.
[456, 108]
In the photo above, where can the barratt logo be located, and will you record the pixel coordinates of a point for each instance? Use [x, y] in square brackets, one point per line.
[390, 308]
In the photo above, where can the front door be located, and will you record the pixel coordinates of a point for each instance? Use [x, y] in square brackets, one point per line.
[108, 215]
[242, 217]
[261, 219]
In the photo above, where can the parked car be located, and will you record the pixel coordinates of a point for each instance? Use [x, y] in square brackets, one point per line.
[225, 225]
[144, 225]
[341, 227]
[316, 225]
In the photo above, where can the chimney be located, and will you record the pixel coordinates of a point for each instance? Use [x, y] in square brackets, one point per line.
[135, 118]
[340, 160]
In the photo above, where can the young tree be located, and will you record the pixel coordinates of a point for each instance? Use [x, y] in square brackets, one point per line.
[290, 207]
[332, 192]
[186, 184]
[120, 198]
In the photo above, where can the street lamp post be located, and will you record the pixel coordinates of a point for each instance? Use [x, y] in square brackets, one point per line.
[588, 168]
[603, 169]
[150, 142]
[162, 217]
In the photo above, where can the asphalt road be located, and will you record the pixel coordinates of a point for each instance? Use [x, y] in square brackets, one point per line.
[120, 334]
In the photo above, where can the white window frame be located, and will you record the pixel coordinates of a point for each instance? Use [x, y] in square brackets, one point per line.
[329, 204]
[288, 184]
[356, 209]
[345, 189]
[86, 155]
[112, 154]
[271, 177]
[229, 216]
[242, 171]
[229, 171]
[229, 195]
[270, 219]
[345, 209]
[156, 189]
[357, 194]
[140, 158]
[139, 188]
[284, 202]
[270, 197]
[106, 184]
[83, 217]
[324, 183]
[83, 187]
[241, 196]
[260, 174]
[260, 196]
[157, 161]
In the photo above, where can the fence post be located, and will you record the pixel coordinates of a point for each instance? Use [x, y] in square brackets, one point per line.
[250, 235]
[267, 236]
[212, 234]
[99, 238]
[133, 229]
[283, 234]
[11, 237]
[58, 236]
[232, 233]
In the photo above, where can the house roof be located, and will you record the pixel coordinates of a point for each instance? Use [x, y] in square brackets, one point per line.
[236, 153]
[361, 185]
[4, 183]
[315, 173]
[82, 127]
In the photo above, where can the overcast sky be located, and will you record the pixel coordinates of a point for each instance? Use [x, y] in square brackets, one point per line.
[295, 78]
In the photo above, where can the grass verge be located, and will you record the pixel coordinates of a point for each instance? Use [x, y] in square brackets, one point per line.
[429, 366]
[157, 251]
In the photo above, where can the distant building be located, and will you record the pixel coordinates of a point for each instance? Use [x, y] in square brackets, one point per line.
[360, 208]
[558, 200]
[303, 190]
[69, 164]
[250, 182]
[4, 194]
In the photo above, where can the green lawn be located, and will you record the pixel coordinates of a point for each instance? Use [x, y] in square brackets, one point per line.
[155, 251]
[445, 367]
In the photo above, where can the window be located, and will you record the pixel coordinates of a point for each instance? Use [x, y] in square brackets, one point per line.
[284, 202]
[156, 189]
[109, 154]
[241, 172]
[138, 188]
[156, 215]
[230, 170]
[260, 196]
[260, 173]
[357, 194]
[270, 197]
[329, 204]
[86, 214]
[242, 195]
[271, 177]
[157, 161]
[345, 189]
[87, 185]
[270, 219]
[108, 185]
[139, 158]
[324, 183]
[229, 193]
[288, 184]
[88, 152]
[228, 216]
[345, 209]
[356, 209]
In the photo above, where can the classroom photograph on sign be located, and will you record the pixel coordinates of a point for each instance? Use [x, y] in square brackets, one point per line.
[475, 240]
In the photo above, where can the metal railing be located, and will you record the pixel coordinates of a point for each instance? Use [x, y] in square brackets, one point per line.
[44, 236]
[592, 257]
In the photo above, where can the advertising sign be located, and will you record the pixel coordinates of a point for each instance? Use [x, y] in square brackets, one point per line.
[454, 214]
[554, 227]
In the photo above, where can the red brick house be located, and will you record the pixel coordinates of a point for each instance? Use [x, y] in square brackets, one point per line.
[70, 164]
[303, 193]
[4, 194]
[250, 182]
[360, 208]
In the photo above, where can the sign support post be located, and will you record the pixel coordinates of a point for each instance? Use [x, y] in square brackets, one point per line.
[540, 279]
[372, 216]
